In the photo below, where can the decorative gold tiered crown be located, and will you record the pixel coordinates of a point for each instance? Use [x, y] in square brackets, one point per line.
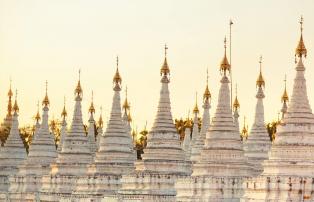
[285, 97]
[15, 106]
[165, 68]
[301, 50]
[244, 132]
[260, 80]
[37, 116]
[224, 65]
[46, 99]
[10, 94]
[117, 78]
[78, 90]
[64, 112]
[92, 108]
[207, 94]
[236, 104]
[100, 121]
[195, 110]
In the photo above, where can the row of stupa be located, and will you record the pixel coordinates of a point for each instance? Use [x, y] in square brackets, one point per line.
[212, 164]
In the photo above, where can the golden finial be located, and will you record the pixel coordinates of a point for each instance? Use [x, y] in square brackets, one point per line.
[244, 132]
[46, 99]
[188, 123]
[165, 68]
[92, 108]
[117, 78]
[236, 104]
[285, 97]
[301, 50]
[64, 112]
[37, 116]
[10, 93]
[78, 90]
[15, 106]
[195, 110]
[100, 121]
[126, 105]
[224, 65]
[260, 80]
[207, 94]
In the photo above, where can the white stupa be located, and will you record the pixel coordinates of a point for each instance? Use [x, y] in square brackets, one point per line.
[187, 144]
[73, 160]
[200, 140]
[195, 148]
[99, 129]
[222, 167]
[126, 118]
[163, 160]
[289, 172]
[42, 152]
[284, 100]
[258, 143]
[64, 130]
[92, 128]
[11, 155]
[115, 155]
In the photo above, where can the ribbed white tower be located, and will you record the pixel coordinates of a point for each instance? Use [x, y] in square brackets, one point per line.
[258, 143]
[115, 155]
[187, 144]
[99, 129]
[195, 148]
[73, 160]
[222, 167]
[42, 152]
[200, 141]
[163, 160]
[11, 155]
[289, 172]
[92, 128]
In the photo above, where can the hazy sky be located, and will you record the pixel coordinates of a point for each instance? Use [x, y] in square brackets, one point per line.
[50, 40]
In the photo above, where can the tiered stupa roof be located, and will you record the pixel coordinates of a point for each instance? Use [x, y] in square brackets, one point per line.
[42, 153]
[222, 166]
[258, 142]
[12, 154]
[73, 160]
[288, 174]
[115, 155]
[163, 160]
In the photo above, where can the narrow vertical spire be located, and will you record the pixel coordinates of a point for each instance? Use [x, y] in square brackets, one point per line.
[165, 71]
[236, 104]
[284, 99]
[224, 65]
[15, 106]
[301, 50]
[196, 110]
[10, 94]
[78, 90]
[260, 80]
[46, 99]
[117, 80]
[207, 94]
[64, 112]
[37, 116]
[91, 107]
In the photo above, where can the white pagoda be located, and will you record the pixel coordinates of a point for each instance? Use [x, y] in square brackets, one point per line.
[222, 166]
[73, 160]
[11, 155]
[258, 142]
[288, 174]
[26, 184]
[163, 160]
[114, 157]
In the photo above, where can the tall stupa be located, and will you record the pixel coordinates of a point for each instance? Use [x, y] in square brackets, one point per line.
[26, 184]
[222, 167]
[91, 133]
[7, 122]
[73, 160]
[289, 172]
[258, 143]
[163, 160]
[115, 155]
[11, 155]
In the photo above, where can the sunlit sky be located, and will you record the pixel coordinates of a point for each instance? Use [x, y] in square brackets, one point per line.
[51, 40]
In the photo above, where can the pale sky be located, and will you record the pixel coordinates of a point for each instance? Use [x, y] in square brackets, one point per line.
[51, 40]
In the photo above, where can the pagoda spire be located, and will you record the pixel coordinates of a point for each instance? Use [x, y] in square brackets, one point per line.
[37, 124]
[244, 132]
[100, 124]
[222, 131]
[116, 146]
[186, 145]
[195, 133]
[127, 114]
[63, 132]
[45, 104]
[284, 99]
[92, 126]
[224, 65]
[10, 94]
[236, 107]
[301, 51]
[258, 143]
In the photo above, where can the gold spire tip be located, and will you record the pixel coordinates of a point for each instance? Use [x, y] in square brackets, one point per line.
[78, 89]
[285, 97]
[224, 65]
[15, 107]
[196, 110]
[236, 104]
[117, 78]
[260, 80]
[92, 108]
[301, 49]
[165, 68]
[46, 99]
